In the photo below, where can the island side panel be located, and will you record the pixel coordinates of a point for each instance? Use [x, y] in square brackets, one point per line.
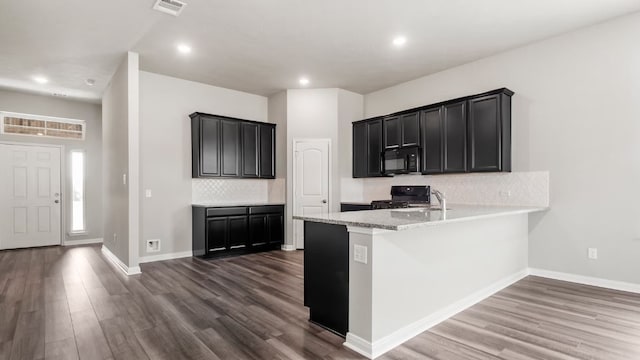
[326, 275]
[419, 273]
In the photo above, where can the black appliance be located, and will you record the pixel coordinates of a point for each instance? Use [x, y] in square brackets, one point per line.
[404, 160]
[404, 196]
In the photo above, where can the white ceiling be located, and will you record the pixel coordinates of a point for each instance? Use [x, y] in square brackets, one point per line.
[264, 46]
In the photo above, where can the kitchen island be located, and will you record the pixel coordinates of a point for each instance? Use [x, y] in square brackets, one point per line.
[380, 277]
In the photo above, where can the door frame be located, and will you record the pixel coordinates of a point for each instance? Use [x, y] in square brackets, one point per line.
[63, 182]
[294, 201]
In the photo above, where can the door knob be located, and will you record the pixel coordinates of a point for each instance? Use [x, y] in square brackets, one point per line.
[324, 201]
[56, 201]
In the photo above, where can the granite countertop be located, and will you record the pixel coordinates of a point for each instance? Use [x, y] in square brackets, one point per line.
[232, 204]
[402, 219]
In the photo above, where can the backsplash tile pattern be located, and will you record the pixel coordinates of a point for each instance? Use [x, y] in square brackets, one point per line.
[517, 188]
[225, 191]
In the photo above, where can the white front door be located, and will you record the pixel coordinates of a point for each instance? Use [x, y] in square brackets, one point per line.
[29, 196]
[311, 182]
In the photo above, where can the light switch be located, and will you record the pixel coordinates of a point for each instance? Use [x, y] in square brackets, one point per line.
[147, 193]
[124, 179]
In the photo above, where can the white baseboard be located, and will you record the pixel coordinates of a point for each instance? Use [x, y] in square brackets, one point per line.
[586, 280]
[82, 242]
[163, 257]
[119, 264]
[379, 347]
[287, 247]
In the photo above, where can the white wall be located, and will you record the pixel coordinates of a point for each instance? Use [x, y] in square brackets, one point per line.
[575, 114]
[120, 159]
[19, 102]
[165, 150]
[277, 105]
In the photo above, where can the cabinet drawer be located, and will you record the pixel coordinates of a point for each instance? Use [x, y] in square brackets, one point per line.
[226, 211]
[267, 209]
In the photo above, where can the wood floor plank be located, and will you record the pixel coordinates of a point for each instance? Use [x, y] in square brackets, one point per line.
[70, 303]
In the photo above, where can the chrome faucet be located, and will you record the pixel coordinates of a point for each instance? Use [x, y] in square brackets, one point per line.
[441, 198]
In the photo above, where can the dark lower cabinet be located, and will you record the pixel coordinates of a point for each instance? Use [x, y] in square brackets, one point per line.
[346, 207]
[237, 230]
[326, 275]
[228, 147]
[490, 133]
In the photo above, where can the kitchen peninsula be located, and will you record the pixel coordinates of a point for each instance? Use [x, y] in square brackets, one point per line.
[380, 277]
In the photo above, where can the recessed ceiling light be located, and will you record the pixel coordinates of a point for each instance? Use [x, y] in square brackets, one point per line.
[399, 41]
[304, 81]
[184, 49]
[40, 79]
[90, 82]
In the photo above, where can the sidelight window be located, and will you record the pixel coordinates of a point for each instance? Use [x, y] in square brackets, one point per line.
[77, 191]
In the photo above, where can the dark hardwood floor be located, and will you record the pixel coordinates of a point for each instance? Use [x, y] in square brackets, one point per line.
[69, 303]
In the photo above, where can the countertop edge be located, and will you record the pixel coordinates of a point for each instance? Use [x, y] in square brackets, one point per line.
[505, 212]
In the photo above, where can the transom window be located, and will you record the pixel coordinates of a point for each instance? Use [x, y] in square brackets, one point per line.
[34, 125]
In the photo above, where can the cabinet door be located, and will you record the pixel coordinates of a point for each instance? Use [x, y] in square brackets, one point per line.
[432, 141]
[276, 228]
[258, 230]
[359, 150]
[209, 146]
[392, 132]
[238, 231]
[485, 134]
[410, 129]
[374, 148]
[216, 234]
[455, 137]
[267, 151]
[250, 148]
[230, 150]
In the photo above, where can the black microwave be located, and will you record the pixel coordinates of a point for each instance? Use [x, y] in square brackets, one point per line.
[401, 161]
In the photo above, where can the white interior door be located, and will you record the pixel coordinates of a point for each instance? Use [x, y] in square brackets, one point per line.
[310, 182]
[29, 196]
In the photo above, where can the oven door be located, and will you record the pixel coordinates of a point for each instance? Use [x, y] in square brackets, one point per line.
[394, 161]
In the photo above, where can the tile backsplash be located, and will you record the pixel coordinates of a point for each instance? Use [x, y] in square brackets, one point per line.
[225, 191]
[517, 188]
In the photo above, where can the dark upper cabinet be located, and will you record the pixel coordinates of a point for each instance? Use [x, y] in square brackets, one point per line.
[432, 132]
[250, 149]
[392, 132]
[444, 139]
[374, 147]
[367, 148]
[490, 132]
[205, 146]
[267, 163]
[230, 141]
[402, 130]
[469, 134]
[410, 129]
[455, 137]
[231, 147]
[360, 147]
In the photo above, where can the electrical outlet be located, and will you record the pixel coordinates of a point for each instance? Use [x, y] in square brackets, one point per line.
[360, 253]
[593, 253]
[124, 179]
[505, 194]
[147, 193]
[153, 245]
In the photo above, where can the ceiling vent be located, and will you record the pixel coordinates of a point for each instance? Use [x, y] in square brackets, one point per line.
[172, 7]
